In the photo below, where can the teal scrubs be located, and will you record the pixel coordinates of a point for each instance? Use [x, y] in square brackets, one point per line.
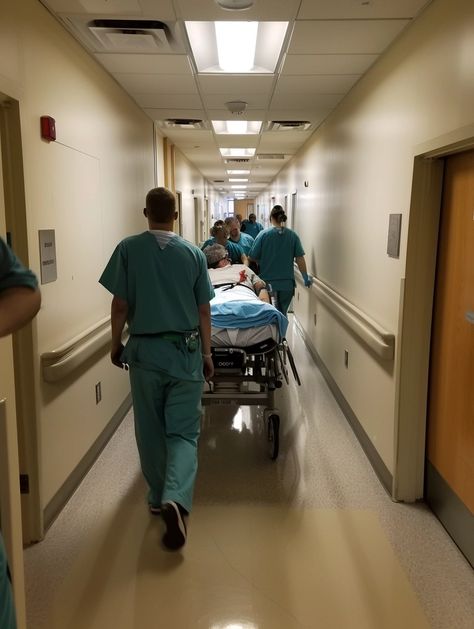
[163, 289]
[12, 273]
[245, 242]
[276, 249]
[234, 250]
[253, 229]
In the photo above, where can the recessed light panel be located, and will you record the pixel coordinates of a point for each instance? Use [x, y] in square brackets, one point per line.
[256, 46]
[237, 127]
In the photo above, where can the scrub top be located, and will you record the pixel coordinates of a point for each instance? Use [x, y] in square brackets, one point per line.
[245, 242]
[233, 249]
[162, 287]
[253, 229]
[12, 271]
[276, 249]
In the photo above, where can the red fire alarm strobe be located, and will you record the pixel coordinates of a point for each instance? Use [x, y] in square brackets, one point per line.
[48, 128]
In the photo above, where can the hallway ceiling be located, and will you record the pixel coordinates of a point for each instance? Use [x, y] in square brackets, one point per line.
[329, 45]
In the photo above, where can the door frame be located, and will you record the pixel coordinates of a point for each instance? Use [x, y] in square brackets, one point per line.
[25, 340]
[416, 305]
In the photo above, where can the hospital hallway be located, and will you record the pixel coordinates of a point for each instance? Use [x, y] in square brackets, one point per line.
[308, 541]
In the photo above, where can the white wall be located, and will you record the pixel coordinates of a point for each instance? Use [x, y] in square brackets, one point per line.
[89, 186]
[359, 165]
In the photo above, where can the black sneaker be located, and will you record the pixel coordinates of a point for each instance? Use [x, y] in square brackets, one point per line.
[175, 536]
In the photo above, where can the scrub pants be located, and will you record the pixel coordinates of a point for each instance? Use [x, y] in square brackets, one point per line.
[167, 414]
[7, 612]
[283, 300]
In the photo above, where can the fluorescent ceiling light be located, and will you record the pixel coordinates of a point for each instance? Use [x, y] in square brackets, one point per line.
[231, 152]
[236, 43]
[211, 46]
[239, 187]
[237, 127]
[238, 172]
[231, 179]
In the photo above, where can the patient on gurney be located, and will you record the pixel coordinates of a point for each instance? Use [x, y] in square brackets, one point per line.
[230, 276]
[241, 312]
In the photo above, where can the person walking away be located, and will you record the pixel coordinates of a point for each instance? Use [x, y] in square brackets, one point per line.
[20, 300]
[161, 288]
[276, 249]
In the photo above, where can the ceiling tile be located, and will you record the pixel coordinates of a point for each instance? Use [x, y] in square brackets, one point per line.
[157, 83]
[254, 101]
[344, 36]
[164, 114]
[168, 101]
[284, 141]
[285, 100]
[162, 10]
[237, 141]
[317, 84]
[235, 83]
[145, 64]
[261, 10]
[327, 64]
[349, 9]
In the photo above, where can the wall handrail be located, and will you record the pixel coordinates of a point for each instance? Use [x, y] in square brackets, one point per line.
[373, 334]
[62, 361]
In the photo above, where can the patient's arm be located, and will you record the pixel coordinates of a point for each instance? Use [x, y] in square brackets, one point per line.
[245, 259]
[261, 290]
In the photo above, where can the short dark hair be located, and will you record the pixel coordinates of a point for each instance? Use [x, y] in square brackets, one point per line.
[160, 205]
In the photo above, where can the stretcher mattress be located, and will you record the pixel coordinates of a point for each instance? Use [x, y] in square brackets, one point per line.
[243, 337]
[224, 334]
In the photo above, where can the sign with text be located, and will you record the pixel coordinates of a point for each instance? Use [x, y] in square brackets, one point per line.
[47, 244]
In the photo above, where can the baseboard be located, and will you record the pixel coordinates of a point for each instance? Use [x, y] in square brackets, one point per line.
[375, 459]
[451, 511]
[59, 500]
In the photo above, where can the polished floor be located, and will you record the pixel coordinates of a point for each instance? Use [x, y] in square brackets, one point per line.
[309, 541]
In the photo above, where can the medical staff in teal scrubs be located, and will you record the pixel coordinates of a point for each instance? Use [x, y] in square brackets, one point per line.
[244, 241]
[161, 288]
[20, 300]
[252, 228]
[276, 249]
[220, 236]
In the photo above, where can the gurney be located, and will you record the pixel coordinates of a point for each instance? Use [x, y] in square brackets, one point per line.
[250, 354]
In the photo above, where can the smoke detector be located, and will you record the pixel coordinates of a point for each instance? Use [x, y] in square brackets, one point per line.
[235, 5]
[236, 106]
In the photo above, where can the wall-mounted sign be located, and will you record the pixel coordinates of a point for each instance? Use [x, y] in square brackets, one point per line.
[394, 230]
[47, 244]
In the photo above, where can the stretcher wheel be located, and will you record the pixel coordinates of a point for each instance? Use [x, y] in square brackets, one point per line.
[273, 432]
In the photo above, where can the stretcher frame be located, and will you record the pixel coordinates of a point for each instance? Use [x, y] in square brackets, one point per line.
[249, 376]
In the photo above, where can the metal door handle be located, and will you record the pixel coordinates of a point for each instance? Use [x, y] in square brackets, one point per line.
[470, 316]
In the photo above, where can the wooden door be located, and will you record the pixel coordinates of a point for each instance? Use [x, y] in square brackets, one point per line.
[450, 447]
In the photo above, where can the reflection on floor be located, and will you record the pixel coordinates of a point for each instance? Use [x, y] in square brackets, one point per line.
[308, 541]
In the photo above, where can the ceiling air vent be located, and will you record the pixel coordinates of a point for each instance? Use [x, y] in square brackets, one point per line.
[270, 156]
[124, 36]
[184, 123]
[218, 180]
[237, 160]
[289, 125]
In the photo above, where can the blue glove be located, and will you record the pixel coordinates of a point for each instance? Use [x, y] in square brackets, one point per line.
[307, 279]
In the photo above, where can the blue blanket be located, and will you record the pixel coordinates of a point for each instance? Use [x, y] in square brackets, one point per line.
[247, 314]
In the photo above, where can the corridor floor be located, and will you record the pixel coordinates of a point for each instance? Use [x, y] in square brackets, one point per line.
[309, 541]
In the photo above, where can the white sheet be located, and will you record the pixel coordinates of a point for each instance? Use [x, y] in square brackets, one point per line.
[243, 337]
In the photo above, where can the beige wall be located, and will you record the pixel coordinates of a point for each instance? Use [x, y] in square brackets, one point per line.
[89, 187]
[359, 166]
